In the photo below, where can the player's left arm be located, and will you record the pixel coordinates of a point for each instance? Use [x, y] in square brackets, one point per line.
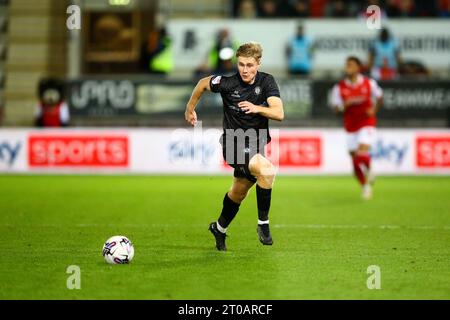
[274, 111]
[377, 93]
[65, 115]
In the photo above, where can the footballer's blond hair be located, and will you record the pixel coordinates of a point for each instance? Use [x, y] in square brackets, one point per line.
[250, 50]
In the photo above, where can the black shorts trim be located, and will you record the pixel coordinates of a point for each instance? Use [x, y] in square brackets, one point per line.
[243, 171]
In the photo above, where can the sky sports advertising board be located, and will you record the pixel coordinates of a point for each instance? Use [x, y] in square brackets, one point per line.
[197, 151]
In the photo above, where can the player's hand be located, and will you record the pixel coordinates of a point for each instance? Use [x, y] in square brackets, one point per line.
[191, 117]
[349, 104]
[248, 107]
[371, 112]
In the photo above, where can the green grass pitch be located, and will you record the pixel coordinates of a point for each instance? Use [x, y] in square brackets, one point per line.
[325, 238]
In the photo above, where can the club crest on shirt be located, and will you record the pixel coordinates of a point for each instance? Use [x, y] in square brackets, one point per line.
[258, 90]
[216, 80]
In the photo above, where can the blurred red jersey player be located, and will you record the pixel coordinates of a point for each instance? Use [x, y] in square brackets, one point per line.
[359, 99]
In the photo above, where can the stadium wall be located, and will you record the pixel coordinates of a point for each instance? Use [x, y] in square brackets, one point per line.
[196, 151]
[116, 102]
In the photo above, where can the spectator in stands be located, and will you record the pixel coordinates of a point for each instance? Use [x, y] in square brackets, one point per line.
[317, 8]
[235, 7]
[268, 9]
[413, 69]
[247, 9]
[384, 57]
[426, 8]
[392, 9]
[337, 9]
[283, 8]
[406, 8]
[300, 53]
[227, 66]
[52, 110]
[221, 57]
[294, 8]
[156, 55]
[300, 9]
[444, 9]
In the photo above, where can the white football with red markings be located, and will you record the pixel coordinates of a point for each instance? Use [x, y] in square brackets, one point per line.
[118, 250]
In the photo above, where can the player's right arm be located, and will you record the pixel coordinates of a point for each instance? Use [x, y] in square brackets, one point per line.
[202, 86]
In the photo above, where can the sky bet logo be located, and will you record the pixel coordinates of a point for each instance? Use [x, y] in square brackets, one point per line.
[9, 152]
[185, 151]
[389, 151]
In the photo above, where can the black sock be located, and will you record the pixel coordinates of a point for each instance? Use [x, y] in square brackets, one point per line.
[263, 197]
[229, 211]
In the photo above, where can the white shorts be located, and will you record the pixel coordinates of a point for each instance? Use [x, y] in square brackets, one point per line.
[365, 135]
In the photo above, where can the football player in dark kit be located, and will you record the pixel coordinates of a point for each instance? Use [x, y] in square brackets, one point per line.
[250, 99]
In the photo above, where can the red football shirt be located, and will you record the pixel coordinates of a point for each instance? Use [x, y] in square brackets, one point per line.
[53, 116]
[361, 93]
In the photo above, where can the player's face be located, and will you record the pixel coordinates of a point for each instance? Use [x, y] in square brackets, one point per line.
[351, 68]
[248, 67]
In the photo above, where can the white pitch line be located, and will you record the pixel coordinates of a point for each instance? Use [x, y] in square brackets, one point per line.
[277, 226]
[357, 226]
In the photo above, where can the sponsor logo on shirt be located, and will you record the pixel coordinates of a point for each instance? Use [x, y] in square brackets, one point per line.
[236, 94]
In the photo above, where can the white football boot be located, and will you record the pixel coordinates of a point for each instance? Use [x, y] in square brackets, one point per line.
[367, 192]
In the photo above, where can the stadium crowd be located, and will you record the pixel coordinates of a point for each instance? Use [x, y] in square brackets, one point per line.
[248, 9]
